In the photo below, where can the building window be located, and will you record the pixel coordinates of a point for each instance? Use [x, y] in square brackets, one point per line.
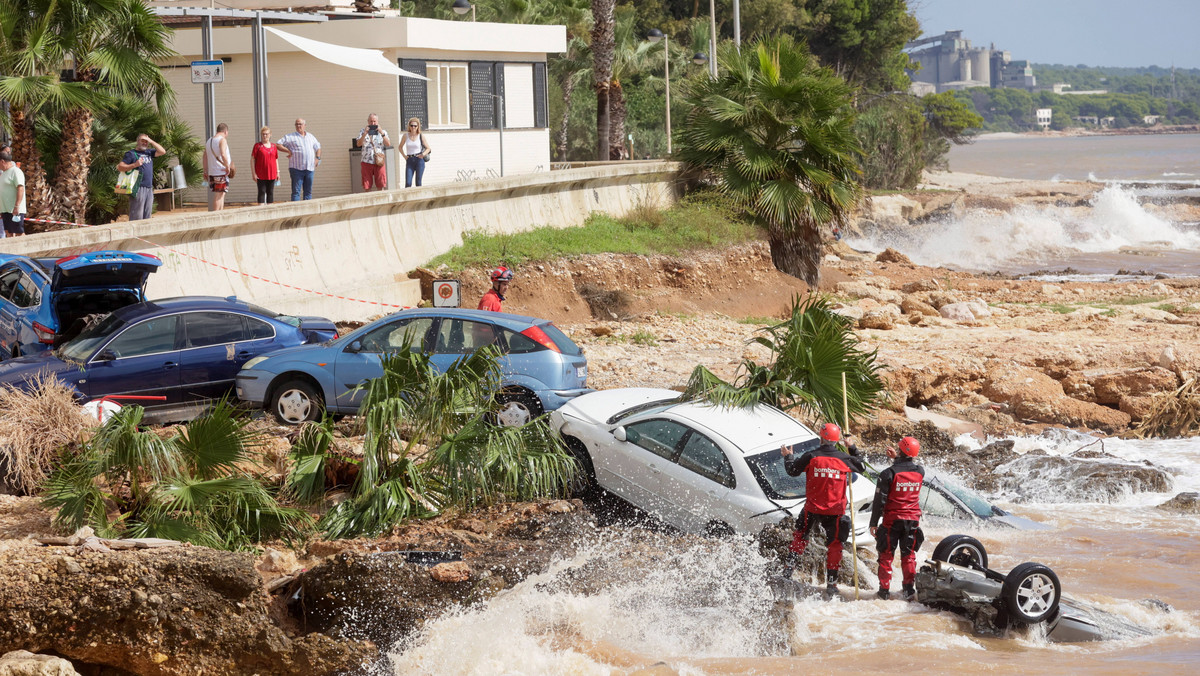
[448, 97]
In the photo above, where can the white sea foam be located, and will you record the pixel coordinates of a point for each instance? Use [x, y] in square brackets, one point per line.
[988, 239]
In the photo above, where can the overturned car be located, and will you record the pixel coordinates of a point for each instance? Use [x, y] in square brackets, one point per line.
[958, 579]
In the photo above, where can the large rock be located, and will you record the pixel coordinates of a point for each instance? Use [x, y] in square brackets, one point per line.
[863, 290]
[25, 663]
[1050, 478]
[1184, 503]
[921, 285]
[892, 211]
[877, 320]
[966, 311]
[1036, 396]
[915, 306]
[181, 610]
[1109, 386]
[890, 255]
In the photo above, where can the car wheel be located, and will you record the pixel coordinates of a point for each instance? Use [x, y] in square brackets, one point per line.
[517, 408]
[584, 482]
[961, 550]
[296, 402]
[1030, 593]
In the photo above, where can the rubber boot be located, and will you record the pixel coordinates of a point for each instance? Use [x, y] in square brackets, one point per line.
[910, 593]
[884, 594]
[831, 578]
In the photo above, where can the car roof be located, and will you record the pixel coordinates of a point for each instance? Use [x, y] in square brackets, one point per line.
[184, 303]
[750, 429]
[506, 319]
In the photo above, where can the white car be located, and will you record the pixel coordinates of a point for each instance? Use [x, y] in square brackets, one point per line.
[698, 467]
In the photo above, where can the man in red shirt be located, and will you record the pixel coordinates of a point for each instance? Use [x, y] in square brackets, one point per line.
[827, 473]
[898, 501]
[501, 278]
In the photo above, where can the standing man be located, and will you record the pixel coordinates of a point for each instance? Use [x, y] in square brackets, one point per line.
[12, 195]
[827, 472]
[373, 140]
[218, 167]
[501, 278]
[898, 501]
[142, 158]
[305, 157]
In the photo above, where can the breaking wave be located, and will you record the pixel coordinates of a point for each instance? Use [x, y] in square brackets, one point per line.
[1029, 237]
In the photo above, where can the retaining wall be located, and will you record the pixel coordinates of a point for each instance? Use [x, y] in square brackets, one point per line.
[339, 251]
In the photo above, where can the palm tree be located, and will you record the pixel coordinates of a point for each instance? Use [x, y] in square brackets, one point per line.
[776, 131]
[189, 486]
[430, 444]
[810, 352]
[602, 58]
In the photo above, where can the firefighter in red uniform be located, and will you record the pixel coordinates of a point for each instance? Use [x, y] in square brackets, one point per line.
[827, 473]
[501, 278]
[898, 502]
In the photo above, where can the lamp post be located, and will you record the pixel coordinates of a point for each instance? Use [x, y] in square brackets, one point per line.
[655, 35]
[460, 7]
[712, 45]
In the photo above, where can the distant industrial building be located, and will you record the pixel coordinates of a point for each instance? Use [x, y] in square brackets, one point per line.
[950, 62]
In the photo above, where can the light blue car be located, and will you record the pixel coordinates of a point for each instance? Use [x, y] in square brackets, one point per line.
[542, 368]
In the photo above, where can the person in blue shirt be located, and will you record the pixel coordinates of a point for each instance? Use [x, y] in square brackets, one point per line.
[142, 159]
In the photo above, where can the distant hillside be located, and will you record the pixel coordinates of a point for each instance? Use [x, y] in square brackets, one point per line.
[1153, 81]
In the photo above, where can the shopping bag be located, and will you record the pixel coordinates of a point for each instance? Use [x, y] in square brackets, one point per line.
[128, 181]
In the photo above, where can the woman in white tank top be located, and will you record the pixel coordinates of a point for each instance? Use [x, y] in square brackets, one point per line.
[416, 153]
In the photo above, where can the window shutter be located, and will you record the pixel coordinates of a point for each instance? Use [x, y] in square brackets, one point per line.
[540, 109]
[414, 94]
[499, 89]
[483, 108]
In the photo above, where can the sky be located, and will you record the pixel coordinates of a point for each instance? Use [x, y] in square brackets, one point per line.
[1070, 32]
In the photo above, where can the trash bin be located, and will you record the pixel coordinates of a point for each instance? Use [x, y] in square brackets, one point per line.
[389, 155]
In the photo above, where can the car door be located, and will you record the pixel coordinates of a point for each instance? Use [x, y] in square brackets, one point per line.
[143, 359]
[635, 469]
[356, 367]
[698, 482]
[215, 345]
[8, 312]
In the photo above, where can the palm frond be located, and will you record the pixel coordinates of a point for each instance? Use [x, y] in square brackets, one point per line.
[214, 443]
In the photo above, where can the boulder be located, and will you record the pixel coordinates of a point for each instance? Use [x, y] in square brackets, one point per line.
[892, 211]
[979, 308]
[890, 255]
[25, 663]
[1051, 290]
[1050, 478]
[1109, 386]
[958, 312]
[1166, 359]
[914, 306]
[1138, 408]
[863, 290]
[1184, 503]
[921, 285]
[1036, 396]
[877, 319]
[451, 571]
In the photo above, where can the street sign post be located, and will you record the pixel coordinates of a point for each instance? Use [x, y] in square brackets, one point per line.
[446, 293]
[208, 72]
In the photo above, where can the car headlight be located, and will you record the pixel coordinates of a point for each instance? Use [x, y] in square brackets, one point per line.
[254, 362]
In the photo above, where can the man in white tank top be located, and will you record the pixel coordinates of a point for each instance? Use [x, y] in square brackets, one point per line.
[218, 167]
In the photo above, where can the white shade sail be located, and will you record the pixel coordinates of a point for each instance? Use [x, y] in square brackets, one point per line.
[371, 60]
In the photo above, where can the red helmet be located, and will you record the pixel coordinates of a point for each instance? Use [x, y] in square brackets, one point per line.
[502, 274]
[910, 447]
[831, 433]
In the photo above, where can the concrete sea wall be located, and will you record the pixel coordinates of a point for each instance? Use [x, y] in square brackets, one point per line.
[346, 257]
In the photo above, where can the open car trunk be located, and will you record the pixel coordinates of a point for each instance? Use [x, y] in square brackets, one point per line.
[76, 310]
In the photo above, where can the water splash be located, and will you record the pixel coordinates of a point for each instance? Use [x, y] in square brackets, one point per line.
[1029, 237]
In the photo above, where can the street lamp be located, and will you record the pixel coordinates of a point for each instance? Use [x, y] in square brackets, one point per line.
[700, 58]
[712, 45]
[655, 35]
[460, 7]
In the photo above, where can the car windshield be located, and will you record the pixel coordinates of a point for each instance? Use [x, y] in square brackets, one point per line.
[82, 346]
[770, 473]
[974, 501]
[659, 404]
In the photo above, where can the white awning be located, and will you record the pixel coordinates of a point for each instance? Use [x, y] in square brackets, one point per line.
[371, 60]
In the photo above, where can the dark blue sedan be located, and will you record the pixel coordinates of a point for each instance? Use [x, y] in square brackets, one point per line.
[45, 302]
[187, 350]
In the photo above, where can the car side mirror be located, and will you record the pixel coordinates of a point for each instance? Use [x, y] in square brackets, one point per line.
[106, 355]
[355, 347]
[619, 433]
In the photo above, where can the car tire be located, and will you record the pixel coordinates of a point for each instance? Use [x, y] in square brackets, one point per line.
[1030, 593]
[296, 402]
[517, 408]
[961, 550]
[584, 483]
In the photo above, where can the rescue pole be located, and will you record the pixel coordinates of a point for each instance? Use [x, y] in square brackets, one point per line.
[850, 490]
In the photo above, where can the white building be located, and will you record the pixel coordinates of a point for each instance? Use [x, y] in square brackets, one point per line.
[1044, 116]
[461, 126]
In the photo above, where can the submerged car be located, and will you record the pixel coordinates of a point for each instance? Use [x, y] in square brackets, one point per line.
[541, 367]
[944, 499]
[186, 350]
[46, 302]
[698, 467]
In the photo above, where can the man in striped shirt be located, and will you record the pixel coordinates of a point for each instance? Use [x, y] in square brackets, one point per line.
[305, 157]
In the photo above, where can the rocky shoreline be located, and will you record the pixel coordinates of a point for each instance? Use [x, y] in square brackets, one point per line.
[1001, 356]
